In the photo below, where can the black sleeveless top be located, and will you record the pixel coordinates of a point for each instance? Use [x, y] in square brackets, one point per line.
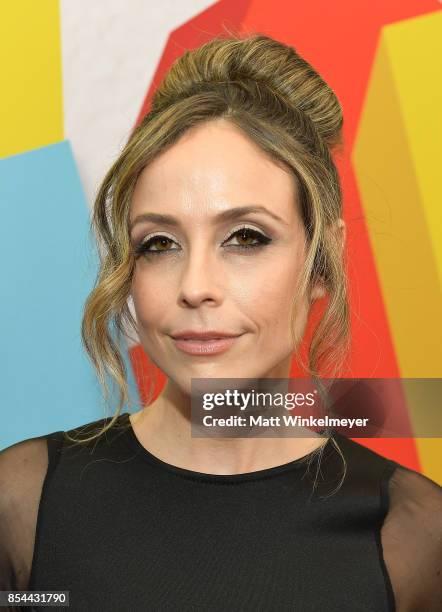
[120, 529]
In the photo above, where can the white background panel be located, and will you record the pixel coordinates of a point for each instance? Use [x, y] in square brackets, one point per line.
[110, 51]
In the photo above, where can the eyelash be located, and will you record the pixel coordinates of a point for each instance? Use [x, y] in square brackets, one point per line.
[143, 247]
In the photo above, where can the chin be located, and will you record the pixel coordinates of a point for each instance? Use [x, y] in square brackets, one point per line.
[215, 370]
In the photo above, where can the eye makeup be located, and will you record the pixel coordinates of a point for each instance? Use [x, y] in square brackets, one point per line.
[260, 240]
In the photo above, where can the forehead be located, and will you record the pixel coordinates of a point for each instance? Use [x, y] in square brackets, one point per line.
[213, 166]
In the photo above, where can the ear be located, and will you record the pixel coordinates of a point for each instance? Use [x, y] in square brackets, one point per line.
[341, 230]
[319, 290]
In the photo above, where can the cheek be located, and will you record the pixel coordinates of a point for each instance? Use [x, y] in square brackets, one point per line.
[266, 292]
[149, 298]
[276, 306]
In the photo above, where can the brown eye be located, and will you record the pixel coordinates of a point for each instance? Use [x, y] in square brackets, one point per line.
[244, 238]
[248, 238]
[159, 243]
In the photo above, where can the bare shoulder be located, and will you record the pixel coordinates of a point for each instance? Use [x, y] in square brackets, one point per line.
[412, 540]
[415, 492]
[23, 466]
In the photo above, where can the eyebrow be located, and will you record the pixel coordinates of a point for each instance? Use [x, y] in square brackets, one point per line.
[225, 215]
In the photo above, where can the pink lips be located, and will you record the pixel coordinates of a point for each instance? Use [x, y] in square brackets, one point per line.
[204, 343]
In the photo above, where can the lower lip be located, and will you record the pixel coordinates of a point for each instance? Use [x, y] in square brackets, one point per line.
[205, 347]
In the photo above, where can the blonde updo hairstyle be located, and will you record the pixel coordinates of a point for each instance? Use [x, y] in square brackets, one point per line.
[277, 98]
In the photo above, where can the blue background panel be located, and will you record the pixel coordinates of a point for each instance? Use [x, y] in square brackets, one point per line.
[48, 267]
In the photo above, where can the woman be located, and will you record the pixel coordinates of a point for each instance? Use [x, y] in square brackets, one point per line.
[221, 222]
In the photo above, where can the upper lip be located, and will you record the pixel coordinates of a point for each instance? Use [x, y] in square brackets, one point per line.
[189, 334]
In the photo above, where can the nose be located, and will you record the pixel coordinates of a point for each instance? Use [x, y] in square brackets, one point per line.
[200, 279]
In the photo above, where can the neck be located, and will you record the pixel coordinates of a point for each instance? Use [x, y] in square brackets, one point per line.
[164, 429]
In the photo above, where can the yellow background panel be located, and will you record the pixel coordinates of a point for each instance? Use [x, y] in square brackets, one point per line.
[395, 160]
[31, 102]
[415, 56]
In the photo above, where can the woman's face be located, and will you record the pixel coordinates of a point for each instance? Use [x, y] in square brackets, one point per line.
[197, 271]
